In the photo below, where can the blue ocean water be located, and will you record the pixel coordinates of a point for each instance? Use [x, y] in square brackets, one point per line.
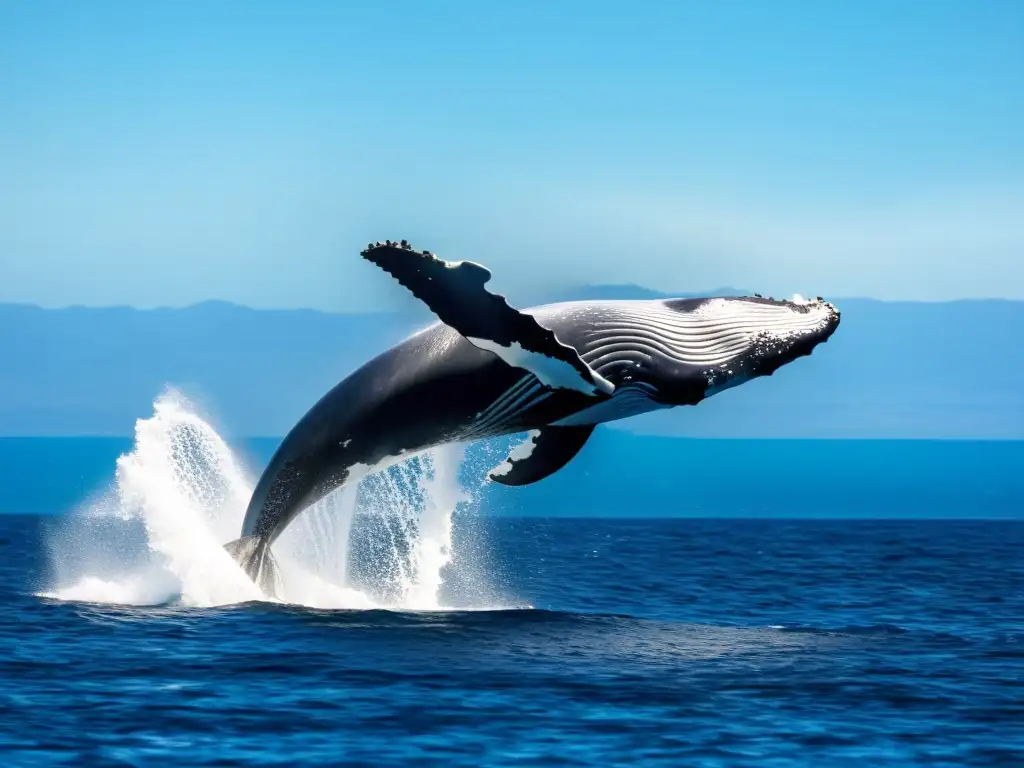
[653, 642]
[573, 641]
[622, 474]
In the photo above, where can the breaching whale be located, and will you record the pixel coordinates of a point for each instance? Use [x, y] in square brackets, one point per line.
[487, 369]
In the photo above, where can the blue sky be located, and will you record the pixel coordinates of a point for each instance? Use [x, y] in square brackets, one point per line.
[162, 154]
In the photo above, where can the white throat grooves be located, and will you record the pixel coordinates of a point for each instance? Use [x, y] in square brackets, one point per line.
[715, 333]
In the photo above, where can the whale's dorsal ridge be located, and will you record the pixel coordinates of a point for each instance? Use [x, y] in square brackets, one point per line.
[456, 293]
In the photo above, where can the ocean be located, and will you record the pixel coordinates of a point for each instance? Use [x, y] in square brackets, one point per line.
[424, 622]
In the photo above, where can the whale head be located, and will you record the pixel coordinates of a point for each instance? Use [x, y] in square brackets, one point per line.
[735, 339]
[682, 351]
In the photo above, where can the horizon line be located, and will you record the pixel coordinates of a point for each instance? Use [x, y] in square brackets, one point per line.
[405, 312]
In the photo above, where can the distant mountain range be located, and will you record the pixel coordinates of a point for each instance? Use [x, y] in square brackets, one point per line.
[894, 369]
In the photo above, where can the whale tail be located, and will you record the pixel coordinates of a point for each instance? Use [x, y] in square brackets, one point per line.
[253, 554]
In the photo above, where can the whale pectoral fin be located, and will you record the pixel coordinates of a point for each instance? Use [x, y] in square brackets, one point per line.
[455, 292]
[544, 452]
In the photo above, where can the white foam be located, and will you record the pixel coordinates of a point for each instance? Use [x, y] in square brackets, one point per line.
[141, 589]
[432, 548]
[185, 489]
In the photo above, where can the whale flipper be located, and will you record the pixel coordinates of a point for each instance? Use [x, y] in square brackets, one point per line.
[543, 453]
[455, 292]
[253, 554]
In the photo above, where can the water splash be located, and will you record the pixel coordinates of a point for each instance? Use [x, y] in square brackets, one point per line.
[157, 536]
[410, 538]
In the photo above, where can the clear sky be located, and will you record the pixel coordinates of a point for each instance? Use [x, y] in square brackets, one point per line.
[166, 153]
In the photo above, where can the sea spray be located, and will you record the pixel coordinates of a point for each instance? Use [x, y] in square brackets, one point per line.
[182, 481]
[406, 542]
[432, 547]
[180, 494]
[312, 555]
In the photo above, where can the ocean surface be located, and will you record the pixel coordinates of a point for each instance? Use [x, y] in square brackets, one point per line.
[416, 629]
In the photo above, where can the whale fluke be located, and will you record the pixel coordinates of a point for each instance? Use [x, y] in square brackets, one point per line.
[253, 554]
[543, 453]
[455, 292]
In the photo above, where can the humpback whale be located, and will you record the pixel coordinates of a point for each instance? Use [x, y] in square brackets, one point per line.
[487, 369]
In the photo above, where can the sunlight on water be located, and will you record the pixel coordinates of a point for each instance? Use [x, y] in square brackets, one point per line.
[157, 536]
